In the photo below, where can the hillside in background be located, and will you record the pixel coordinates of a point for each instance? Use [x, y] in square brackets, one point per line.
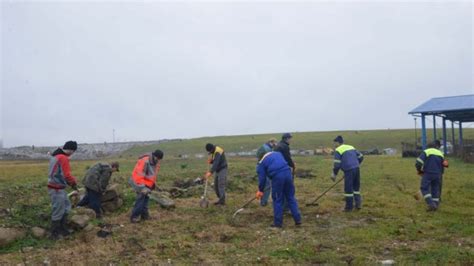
[361, 139]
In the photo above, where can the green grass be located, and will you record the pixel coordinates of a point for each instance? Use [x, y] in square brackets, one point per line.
[391, 225]
[361, 139]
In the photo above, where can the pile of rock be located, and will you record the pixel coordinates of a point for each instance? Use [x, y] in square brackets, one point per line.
[9, 235]
[112, 199]
[163, 199]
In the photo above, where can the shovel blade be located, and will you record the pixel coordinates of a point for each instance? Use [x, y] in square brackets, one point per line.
[204, 203]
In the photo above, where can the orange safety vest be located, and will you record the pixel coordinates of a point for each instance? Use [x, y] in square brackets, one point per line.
[144, 174]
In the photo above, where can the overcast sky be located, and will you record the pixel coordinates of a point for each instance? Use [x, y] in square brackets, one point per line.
[154, 70]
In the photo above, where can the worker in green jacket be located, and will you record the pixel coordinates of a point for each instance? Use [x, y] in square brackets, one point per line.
[96, 181]
[266, 148]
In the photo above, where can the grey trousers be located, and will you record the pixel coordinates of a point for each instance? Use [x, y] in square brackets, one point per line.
[220, 183]
[60, 204]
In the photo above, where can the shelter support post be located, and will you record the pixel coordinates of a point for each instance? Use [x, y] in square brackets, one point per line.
[423, 132]
[445, 149]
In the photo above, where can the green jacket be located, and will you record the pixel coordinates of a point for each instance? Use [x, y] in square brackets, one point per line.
[97, 177]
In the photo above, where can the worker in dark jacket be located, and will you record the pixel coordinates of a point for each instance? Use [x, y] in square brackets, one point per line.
[96, 181]
[264, 149]
[275, 166]
[284, 148]
[218, 167]
[430, 165]
[348, 159]
[59, 178]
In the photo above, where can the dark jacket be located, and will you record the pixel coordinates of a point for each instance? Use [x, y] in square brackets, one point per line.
[430, 161]
[284, 148]
[346, 158]
[97, 177]
[218, 160]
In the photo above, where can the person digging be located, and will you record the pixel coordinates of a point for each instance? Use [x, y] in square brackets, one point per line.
[59, 177]
[218, 167]
[143, 181]
[96, 181]
[274, 166]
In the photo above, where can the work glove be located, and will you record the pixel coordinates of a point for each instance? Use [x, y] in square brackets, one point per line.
[420, 172]
[145, 191]
[333, 177]
[259, 195]
[74, 187]
[207, 175]
[445, 163]
[209, 161]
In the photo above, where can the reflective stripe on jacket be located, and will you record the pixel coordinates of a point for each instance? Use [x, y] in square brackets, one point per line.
[218, 160]
[430, 161]
[270, 165]
[144, 173]
[346, 158]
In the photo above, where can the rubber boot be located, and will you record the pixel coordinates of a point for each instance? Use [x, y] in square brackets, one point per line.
[55, 230]
[145, 215]
[358, 201]
[63, 230]
[349, 204]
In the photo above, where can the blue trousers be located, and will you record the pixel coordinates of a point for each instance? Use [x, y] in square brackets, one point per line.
[352, 189]
[141, 206]
[430, 188]
[283, 189]
[267, 192]
[92, 200]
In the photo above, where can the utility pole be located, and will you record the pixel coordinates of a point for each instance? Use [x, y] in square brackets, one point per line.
[113, 135]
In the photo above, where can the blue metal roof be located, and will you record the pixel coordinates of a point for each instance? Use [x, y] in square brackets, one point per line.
[454, 108]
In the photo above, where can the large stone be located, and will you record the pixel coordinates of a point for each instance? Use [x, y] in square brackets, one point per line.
[9, 235]
[162, 200]
[112, 205]
[85, 211]
[38, 232]
[112, 192]
[79, 221]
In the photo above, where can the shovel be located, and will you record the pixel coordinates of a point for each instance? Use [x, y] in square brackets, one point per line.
[314, 202]
[204, 202]
[245, 205]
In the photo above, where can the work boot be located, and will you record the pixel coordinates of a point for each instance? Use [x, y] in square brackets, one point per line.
[431, 208]
[349, 203]
[63, 230]
[298, 224]
[347, 210]
[358, 201]
[55, 228]
[217, 203]
[145, 216]
[134, 220]
[274, 226]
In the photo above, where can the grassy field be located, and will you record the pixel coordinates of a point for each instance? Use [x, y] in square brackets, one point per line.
[362, 139]
[391, 225]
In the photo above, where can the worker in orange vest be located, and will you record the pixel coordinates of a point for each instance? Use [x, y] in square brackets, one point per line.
[143, 181]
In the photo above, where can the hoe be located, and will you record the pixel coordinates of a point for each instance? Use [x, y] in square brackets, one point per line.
[314, 202]
[245, 205]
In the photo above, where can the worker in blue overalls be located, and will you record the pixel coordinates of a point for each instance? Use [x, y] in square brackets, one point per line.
[348, 159]
[274, 166]
[430, 165]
